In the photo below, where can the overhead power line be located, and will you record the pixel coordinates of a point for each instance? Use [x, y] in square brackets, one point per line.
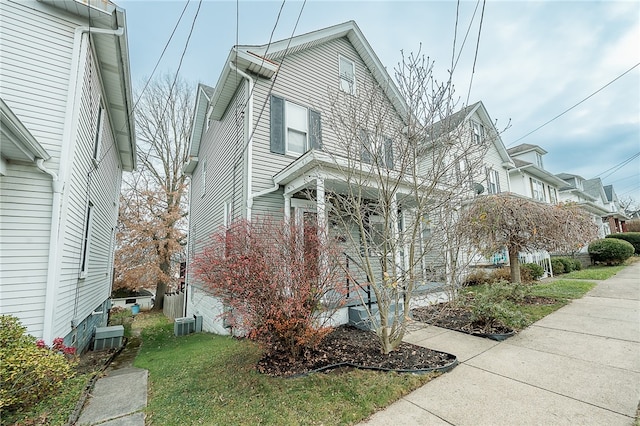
[569, 109]
[618, 166]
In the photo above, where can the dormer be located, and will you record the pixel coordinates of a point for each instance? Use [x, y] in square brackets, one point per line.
[530, 153]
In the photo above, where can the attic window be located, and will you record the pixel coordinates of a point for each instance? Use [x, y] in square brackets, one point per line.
[539, 160]
[347, 76]
[478, 133]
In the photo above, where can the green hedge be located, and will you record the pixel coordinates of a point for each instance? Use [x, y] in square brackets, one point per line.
[631, 237]
[610, 251]
[28, 372]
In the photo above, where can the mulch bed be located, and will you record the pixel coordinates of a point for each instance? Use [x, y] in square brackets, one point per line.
[455, 317]
[352, 346]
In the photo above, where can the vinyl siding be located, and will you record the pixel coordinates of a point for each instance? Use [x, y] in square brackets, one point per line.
[87, 183]
[36, 46]
[35, 50]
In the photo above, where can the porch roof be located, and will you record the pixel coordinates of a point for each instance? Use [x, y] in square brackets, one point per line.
[337, 172]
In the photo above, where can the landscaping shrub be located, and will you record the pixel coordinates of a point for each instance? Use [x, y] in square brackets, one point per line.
[633, 225]
[631, 237]
[611, 251]
[569, 264]
[476, 278]
[533, 270]
[270, 276]
[496, 305]
[557, 266]
[577, 265]
[29, 371]
[500, 274]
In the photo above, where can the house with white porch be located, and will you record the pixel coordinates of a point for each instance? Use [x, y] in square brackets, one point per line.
[588, 194]
[270, 139]
[67, 136]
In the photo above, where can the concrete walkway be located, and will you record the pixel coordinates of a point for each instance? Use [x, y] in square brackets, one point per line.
[118, 398]
[578, 366]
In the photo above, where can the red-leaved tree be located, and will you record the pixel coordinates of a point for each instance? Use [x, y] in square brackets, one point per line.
[280, 282]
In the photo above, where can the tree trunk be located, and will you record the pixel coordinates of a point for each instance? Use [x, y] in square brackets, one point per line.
[161, 288]
[514, 264]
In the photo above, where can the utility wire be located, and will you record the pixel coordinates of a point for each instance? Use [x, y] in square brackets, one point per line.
[618, 166]
[569, 109]
[475, 57]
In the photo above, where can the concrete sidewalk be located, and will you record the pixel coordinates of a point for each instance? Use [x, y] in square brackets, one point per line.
[578, 366]
[118, 398]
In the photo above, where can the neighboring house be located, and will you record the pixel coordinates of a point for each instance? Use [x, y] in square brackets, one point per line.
[529, 177]
[588, 195]
[480, 162]
[67, 135]
[261, 142]
[617, 216]
[489, 174]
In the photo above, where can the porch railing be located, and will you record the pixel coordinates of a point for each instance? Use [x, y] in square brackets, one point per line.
[351, 281]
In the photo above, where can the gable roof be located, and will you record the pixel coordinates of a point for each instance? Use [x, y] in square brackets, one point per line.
[203, 98]
[112, 52]
[594, 187]
[262, 60]
[454, 120]
[526, 147]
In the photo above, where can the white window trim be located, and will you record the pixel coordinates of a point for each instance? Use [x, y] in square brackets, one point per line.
[540, 190]
[494, 178]
[353, 85]
[305, 148]
[97, 140]
[203, 175]
[226, 213]
[477, 131]
[86, 243]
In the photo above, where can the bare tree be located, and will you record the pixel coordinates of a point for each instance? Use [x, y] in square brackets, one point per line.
[153, 210]
[405, 167]
[494, 222]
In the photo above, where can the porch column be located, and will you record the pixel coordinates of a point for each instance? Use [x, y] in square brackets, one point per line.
[320, 206]
[287, 208]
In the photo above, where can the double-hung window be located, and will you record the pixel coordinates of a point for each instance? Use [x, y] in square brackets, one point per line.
[553, 195]
[347, 75]
[493, 181]
[477, 132]
[376, 150]
[295, 129]
[537, 190]
[539, 160]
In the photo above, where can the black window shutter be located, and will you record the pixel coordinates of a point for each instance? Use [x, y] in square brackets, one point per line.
[315, 130]
[277, 125]
[365, 152]
[388, 153]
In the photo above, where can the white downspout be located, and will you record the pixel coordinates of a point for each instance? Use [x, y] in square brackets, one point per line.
[56, 237]
[249, 137]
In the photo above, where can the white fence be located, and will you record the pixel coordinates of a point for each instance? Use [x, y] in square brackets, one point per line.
[541, 258]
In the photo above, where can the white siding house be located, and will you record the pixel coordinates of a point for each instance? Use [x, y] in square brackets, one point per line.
[261, 137]
[67, 136]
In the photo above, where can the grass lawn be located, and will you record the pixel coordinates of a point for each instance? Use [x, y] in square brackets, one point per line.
[209, 379]
[594, 273]
[54, 410]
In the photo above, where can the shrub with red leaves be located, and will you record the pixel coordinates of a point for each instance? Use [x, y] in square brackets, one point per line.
[281, 281]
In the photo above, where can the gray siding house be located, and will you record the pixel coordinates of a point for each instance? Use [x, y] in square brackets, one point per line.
[263, 137]
[67, 135]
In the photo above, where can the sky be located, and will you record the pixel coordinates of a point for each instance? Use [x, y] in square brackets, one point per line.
[534, 60]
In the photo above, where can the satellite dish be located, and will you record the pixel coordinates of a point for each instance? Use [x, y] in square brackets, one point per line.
[478, 188]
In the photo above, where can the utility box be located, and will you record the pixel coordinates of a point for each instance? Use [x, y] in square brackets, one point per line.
[184, 326]
[108, 337]
[198, 323]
